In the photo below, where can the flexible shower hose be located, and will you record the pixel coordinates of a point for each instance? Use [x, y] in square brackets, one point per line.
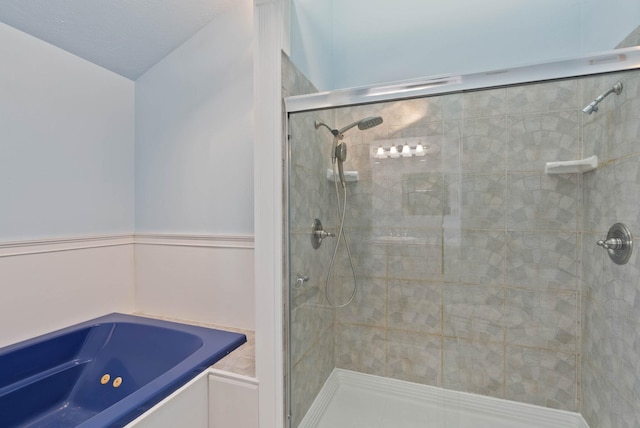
[343, 235]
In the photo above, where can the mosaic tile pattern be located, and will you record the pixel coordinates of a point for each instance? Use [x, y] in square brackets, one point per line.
[362, 349]
[475, 313]
[414, 357]
[484, 103]
[474, 257]
[473, 367]
[368, 252]
[543, 98]
[484, 145]
[541, 377]
[542, 319]
[610, 301]
[293, 81]
[304, 319]
[312, 344]
[529, 137]
[394, 200]
[599, 402]
[424, 195]
[544, 260]
[309, 375]
[539, 201]
[479, 200]
[369, 306]
[419, 260]
[633, 39]
[415, 306]
[452, 107]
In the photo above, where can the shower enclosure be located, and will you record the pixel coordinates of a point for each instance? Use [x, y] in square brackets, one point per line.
[476, 271]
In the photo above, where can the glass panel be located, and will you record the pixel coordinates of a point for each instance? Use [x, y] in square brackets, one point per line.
[476, 271]
[311, 320]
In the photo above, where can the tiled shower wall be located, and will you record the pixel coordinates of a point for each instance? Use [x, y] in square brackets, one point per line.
[633, 39]
[467, 258]
[470, 260]
[611, 293]
[311, 344]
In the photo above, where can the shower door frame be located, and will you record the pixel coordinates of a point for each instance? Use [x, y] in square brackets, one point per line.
[602, 63]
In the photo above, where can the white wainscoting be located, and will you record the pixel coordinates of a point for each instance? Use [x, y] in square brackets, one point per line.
[188, 406]
[53, 283]
[233, 400]
[213, 399]
[199, 278]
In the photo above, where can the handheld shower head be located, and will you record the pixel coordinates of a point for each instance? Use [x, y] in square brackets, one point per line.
[363, 124]
[369, 122]
[339, 151]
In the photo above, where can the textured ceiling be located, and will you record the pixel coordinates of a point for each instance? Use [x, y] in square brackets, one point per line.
[124, 36]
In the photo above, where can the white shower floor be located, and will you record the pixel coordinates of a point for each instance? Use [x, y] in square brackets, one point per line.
[355, 400]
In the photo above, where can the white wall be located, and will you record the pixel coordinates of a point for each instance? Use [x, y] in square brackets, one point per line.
[407, 39]
[605, 24]
[66, 152]
[311, 38]
[372, 42]
[66, 172]
[194, 133]
[67, 162]
[194, 177]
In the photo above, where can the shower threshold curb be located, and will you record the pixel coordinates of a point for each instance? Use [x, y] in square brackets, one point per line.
[383, 402]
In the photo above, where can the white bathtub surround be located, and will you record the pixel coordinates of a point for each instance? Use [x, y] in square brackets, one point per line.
[188, 406]
[213, 399]
[233, 400]
[353, 400]
[50, 284]
[201, 278]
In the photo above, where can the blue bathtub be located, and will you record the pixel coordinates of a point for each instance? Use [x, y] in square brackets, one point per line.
[104, 372]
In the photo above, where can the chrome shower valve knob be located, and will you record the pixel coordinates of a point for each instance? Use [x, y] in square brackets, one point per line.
[321, 234]
[318, 234]
[619, 243]
[611, 244]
